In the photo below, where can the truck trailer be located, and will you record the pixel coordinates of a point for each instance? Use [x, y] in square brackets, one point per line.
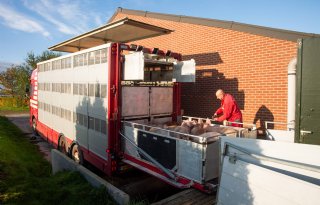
[100, 102]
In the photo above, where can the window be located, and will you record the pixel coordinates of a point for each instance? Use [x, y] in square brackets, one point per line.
[103, 90]
[62, 87]
[91, 90]
[91, 58]
[68, 62]
[78, 118]
[97, 57]
[85, 121]
[81, 91]
[54, 87]
[80, 57]
[62, 113]
[74, 117]
[65, 87]
[75, 61]
[103, 127]
[59, 87]
[75, 89]
[85, 59]
[85, 88]
[49, 66]
[104, 56]
[58, 64]
[69, 88]
[97, 90]
[53, 65]
[63, 63]
[91, 123]
[97, 125]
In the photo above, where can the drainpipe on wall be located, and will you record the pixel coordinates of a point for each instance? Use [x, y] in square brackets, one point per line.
[291, 93]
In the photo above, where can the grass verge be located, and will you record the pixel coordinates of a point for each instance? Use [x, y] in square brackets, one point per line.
[25, 177]
[7, 108]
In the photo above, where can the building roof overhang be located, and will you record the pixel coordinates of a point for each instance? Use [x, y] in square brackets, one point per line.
[121, 31]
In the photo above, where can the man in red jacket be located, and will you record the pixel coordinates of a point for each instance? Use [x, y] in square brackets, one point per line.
[229, 109]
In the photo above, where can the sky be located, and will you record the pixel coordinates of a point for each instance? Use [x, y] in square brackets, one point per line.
[34, 25]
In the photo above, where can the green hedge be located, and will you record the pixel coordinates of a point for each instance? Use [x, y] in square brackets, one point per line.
[13, 102]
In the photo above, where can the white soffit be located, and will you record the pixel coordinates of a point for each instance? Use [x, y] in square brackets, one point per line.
[122, 31]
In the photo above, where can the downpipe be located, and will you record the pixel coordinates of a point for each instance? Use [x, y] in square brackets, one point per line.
[292, 67]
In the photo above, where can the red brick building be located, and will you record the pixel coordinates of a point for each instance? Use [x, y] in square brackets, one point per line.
[248, 61]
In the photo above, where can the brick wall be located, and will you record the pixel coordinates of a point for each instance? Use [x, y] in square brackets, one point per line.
[250, 67]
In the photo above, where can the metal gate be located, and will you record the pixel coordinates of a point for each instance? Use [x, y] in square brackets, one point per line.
[308, 92]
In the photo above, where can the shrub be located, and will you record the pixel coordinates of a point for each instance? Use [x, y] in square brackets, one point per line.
[13, 102]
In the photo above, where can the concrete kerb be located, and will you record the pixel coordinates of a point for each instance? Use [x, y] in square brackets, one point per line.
[61, 162]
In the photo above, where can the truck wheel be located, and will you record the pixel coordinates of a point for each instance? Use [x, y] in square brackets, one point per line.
[62, 146]
[34, 127]
[76, 154]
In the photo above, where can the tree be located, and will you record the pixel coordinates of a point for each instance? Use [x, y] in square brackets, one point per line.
[14, 81]
[32, 59]
[16, 78]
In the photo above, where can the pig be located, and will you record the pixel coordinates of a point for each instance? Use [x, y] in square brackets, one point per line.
[159, 131]
[169, 127]
[229, 131]
[180, 129]
[211, 136]
[214, 128]
[188, 123]
[197, 129]
[207, 124]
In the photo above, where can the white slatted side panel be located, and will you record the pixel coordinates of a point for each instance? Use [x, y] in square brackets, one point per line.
[257, 180]
[245, 183]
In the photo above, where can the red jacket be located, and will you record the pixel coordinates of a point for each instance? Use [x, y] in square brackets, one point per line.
[230, 109]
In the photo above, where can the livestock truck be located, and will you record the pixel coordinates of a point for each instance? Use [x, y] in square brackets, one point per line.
[100, 102]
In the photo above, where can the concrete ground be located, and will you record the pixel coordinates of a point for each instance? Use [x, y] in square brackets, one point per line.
[21, 120]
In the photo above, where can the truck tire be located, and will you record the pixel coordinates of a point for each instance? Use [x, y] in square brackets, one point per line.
[76, 154]
[62, 145]
[34, 127]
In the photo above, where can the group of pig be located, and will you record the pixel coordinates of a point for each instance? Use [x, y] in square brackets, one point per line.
[194, 127]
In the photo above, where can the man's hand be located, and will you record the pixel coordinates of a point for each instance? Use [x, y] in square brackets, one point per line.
[214, 116]
[225, 123]
[215, 119]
